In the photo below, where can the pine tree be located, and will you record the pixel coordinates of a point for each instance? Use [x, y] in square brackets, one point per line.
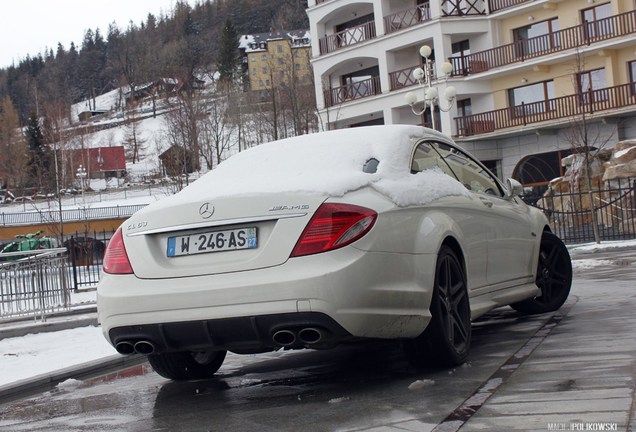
[39, 155]
[227, 58]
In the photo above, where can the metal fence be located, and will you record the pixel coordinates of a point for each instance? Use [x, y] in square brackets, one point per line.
[570, 213]
[34, 283]
[86, 257]
[53, 216]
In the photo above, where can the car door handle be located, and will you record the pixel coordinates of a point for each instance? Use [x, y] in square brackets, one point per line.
[486, 202]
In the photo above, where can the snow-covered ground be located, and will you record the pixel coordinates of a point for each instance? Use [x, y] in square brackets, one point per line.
[32, 355]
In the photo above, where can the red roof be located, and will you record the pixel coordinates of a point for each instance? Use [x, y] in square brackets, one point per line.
[100, 159]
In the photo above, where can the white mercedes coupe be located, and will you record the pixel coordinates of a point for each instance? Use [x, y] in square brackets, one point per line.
[380, 232]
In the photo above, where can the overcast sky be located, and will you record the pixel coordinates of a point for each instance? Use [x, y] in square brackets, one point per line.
[30, 26]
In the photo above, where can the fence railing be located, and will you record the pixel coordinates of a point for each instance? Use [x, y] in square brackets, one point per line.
[53, 216]
[356, 90]
[86, 257]
[34, 283]
[570, 213]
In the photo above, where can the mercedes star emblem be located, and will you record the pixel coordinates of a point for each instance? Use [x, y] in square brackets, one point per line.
[206, 210]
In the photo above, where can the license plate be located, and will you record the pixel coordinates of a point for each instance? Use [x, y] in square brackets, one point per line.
[214, 241]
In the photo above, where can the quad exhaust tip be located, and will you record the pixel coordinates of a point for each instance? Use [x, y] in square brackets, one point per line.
[307, 336]
[140, 347]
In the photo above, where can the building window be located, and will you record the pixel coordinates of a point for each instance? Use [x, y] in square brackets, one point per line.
[594, 20]
[297, 66]
[592, 85]
[264, 57]
[279, 48]
[632, 76]
[536, 38]
[281, 61]
[464, 108]
[264, 69]
[531, 99]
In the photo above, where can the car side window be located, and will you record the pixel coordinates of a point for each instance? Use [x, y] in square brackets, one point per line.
[456, 164]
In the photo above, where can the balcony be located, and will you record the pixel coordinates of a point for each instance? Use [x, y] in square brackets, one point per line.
[463, 7]
[601, 100]
[347, 37]
[353, 91]
[584, 34]
[497, 5]
[404, 77]
[407, 18]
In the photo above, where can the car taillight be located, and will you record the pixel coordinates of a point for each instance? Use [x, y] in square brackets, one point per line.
[334, 226]
[116, 259]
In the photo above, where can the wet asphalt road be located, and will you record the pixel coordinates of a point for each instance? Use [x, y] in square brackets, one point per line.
[359, 388]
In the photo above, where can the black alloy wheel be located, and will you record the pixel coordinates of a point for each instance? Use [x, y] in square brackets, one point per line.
[186, 365]
[446, 340]
[554, 277]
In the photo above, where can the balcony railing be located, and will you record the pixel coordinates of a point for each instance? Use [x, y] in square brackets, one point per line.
[584, 34]
[404, 77]
[609, 98]
[356, 90]
[497, 5]
[407, 18]
[463, 7]
[347, 37]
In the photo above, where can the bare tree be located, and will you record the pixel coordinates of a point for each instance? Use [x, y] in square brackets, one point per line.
[135, 143]
[218, 132]
[584, 135]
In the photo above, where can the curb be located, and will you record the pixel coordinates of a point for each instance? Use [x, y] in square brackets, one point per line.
[48, 381]
[18, 328]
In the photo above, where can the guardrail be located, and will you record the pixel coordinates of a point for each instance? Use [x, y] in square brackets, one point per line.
[34, 283]
[53, 216]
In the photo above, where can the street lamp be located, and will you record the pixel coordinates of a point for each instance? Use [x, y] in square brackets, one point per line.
[81, 174]
[431, 94]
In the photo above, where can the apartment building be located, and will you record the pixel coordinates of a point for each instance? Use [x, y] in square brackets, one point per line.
[274, 59]
[527, 73]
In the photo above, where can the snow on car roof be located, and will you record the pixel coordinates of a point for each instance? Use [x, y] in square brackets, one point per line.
[328, 163]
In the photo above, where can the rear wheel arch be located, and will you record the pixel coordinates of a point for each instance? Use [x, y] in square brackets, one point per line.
[454, 245]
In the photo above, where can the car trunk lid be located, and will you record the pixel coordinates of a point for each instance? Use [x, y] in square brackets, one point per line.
[232, 234]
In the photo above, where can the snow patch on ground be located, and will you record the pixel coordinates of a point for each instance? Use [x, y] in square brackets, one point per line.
[35, 354]
[420, 384]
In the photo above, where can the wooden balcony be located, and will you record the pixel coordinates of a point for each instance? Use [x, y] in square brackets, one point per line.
[404, 77]
[463, 7]
[497, 5]
[356, 90]
[406, 18]
[571, 106]
[572, 37]
[347, 37]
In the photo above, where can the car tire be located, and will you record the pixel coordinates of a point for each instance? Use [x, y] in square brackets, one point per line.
[554, 277]
[187, 365]
[446, 340]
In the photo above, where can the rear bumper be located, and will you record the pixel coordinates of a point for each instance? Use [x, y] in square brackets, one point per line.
[346, 293]
[242, 335]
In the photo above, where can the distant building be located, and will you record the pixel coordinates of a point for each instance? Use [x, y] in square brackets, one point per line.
[177, 160]
[162, 87]
[99, 162]
[271, 60]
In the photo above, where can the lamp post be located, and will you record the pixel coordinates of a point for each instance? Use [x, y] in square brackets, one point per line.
[431, 94]
[81, 174]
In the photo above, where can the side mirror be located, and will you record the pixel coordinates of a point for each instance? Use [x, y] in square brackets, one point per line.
[514, 188]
